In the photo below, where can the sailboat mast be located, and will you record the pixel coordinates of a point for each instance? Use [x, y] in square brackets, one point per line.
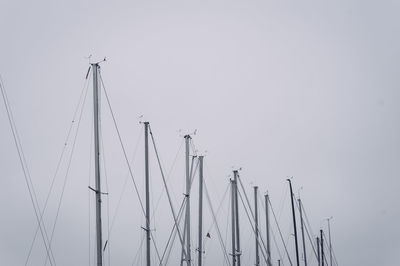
[302, 233]
[294, 224]
[330, 241]
[99, 241]
[322, 248]
[318, 255]
[187, 218]
[238, 251]
[233, 222]
[200, 248]
[146, 166]
[267, 229]
[256, 225]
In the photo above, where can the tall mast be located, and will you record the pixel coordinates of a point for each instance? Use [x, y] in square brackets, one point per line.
[256, 225]
[99, 241]
[238, 251]
[318, 255]
[146, 166]
[233, 222]
[322, 248]
[302, 233]
[267, 229]
[200, 248]
[187, 219]
[294, 224]
[330, 241]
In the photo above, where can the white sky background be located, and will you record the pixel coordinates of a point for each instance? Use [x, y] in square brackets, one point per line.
[304, 89]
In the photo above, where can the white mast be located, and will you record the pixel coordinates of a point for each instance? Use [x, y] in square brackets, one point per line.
[99, 241]
[200, 248]
[330, 241]
[302, 232]
[146, 164]
[256, 225]
[233, 221]
[268, 230]
[187, 217]
[235, 185]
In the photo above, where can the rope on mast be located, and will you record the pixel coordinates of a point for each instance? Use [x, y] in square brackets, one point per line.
[280, 232]
[26, 173]
[126, 159]
[67, 172]
[251, 224]
[165, 186]
[216, 225]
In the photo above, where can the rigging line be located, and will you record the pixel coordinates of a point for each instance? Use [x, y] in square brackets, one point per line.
[88, 191]
[193, 146]
[191, 169]
[180, 217]
[245, 195]
[183, 257]
[123, 147]
[124, 186]
[252, 226]
[175, 160]
[304, 225]
[58, 167]
[228, 216]
[169, 173]
[219, 209]
[279, 230]
[308, 222]
[283, 201]
[126, 158]
[102, 147]
[216, 225]
[67, 171]
[312, 243]
[23, 160]
[252, 214]
[220, 205]
[326, 248]
[165, 185]
[261, 235]
[25, 169]
[139, 249]
[334, 257]
[194, 174]
[173, 230]
[277, 247]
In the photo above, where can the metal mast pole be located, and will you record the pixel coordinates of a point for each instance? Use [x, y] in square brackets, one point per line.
[146, 166]
[330, 242]
[233, 222]
[267, 230]
[302, 233]
[238, 251]
[256, 225]
[318, 255]
[200, 248]
[322, 248]
[187, 219]
[294, 224]
[99, 241]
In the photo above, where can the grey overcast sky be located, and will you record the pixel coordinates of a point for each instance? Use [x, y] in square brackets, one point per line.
[308, 89]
